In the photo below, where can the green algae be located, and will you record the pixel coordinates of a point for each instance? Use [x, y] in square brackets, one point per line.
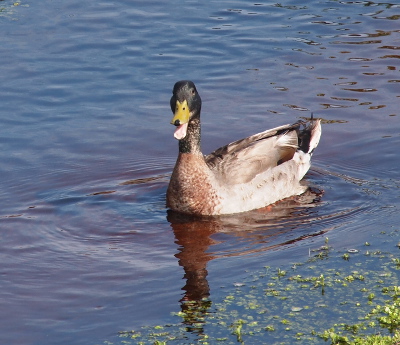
[9, 9]
[326, 299]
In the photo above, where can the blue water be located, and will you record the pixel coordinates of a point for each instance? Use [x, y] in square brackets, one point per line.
[86, 149]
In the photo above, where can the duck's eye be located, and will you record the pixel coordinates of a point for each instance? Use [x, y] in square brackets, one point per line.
[193, 92]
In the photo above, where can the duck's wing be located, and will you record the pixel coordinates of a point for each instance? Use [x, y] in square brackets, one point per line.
[242, 160]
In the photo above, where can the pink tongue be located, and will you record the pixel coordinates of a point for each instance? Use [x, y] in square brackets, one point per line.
[180, 132]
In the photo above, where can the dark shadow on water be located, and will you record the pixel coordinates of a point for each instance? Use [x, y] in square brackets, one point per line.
[255, 231]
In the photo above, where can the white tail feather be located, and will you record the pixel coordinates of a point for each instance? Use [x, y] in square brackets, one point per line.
[315, 135]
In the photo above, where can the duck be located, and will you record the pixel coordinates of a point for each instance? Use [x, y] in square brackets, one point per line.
[247, 174]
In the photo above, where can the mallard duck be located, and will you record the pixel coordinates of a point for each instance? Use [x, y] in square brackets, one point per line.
[244, 175]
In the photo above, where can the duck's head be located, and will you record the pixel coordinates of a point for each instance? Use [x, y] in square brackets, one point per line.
[186, 105]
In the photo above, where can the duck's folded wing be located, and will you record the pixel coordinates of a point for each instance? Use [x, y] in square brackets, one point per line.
[242, 160]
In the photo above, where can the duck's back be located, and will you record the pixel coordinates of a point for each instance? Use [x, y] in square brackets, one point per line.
[248, 174]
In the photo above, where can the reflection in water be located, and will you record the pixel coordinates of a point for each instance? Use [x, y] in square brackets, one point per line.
[193, 235]
[262, 228]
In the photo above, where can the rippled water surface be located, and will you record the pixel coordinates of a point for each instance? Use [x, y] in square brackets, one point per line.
[86, 150]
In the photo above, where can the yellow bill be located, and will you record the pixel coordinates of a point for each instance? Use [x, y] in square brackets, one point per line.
[181, 119]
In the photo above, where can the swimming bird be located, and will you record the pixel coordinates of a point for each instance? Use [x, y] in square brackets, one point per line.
[244, 175]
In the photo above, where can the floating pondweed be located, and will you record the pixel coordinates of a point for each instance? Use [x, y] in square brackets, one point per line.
[286, 305]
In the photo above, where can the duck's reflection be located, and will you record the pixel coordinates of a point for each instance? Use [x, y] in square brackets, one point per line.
[261, 230]
[193, 235]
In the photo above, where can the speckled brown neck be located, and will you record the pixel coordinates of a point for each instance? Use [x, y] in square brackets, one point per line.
[191, 142]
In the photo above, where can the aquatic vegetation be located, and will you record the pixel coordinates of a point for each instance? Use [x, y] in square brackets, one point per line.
[281, 273]
[9, 9]
[388, 316]
[237, 329]
[329, 300]
[346, 256]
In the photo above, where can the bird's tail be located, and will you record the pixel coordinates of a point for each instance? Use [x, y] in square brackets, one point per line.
[309, 136]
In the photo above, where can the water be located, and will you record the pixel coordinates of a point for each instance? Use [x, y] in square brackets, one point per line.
[87, 246]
